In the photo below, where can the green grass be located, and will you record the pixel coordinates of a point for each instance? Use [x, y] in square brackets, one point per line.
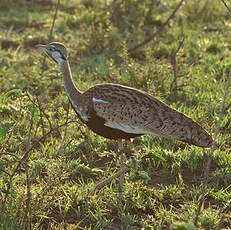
[54, 189]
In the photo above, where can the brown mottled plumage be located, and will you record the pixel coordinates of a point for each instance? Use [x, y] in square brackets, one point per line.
[119, 112]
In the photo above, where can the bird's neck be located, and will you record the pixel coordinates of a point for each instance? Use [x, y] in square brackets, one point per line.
[73, 93]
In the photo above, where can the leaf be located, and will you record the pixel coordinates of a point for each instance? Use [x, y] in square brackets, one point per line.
[35, 113]
[14, 92]
[4, 128]
[157, 153]
[2, 166]
[182, 226]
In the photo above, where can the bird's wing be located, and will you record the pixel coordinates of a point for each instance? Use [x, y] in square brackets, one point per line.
[156, 120]
[134, 111]
[130, 118]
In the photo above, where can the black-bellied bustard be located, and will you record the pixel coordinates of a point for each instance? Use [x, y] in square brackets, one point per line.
[119, 112]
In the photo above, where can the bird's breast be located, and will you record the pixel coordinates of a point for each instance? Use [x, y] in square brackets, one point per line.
[81, 111]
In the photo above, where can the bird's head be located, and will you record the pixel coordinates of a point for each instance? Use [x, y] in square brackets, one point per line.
[56, 51]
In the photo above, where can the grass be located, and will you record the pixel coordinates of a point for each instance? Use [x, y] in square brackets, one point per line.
[54, 187]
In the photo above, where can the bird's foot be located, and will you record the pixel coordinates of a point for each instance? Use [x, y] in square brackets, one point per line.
[120, 174]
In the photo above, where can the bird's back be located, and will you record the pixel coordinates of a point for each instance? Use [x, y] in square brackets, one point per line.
[135, 112]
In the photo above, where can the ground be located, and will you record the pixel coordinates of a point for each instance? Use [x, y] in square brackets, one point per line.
[50, 162]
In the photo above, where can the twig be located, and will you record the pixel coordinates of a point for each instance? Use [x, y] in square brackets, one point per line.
[11, 154]
[54, 19]
[174, 85]
[27, 153]
[216, 133]
[42, 113]
[226, 5]
[151, 37]
[50, 34]
[27, 215]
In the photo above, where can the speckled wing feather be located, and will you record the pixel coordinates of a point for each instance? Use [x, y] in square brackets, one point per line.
[130, 118]
[134, 111]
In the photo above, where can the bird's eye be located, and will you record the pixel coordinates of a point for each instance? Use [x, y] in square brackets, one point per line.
[51, 49]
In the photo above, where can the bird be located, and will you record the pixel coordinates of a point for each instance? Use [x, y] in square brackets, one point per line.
[120, 112]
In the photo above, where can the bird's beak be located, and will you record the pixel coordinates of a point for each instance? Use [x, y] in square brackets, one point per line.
[43, 48]
[40, 46]
[47, 53]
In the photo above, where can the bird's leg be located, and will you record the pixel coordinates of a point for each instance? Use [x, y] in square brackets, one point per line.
[105, 182]
[120, 174]
[122, 162]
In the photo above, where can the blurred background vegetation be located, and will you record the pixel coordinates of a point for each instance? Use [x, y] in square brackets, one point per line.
[49, 162]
